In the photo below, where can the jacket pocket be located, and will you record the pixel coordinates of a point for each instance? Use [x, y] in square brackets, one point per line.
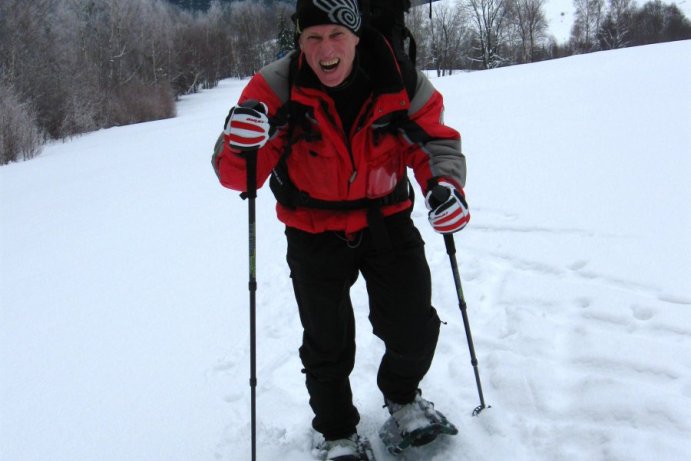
[317, 171]
[385, 167]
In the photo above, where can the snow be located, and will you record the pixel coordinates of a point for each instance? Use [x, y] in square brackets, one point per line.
[123, 283]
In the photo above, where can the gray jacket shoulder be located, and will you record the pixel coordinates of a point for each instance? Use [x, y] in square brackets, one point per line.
[423, 91]
[277, 76]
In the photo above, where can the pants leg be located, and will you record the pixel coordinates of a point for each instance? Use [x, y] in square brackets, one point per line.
[401, 312]
[323, 269]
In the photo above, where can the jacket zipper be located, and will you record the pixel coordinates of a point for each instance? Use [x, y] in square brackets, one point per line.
[357, 126]
[346, 138]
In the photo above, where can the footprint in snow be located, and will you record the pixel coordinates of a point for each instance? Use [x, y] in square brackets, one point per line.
[643, 312]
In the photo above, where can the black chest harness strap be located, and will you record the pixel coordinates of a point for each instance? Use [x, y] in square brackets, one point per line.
[287, 194]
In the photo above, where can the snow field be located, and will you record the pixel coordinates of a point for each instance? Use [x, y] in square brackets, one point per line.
[123, 283]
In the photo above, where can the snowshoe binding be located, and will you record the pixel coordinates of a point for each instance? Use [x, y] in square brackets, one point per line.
[413, 424]
[353, 448]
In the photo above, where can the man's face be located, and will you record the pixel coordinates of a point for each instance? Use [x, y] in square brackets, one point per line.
[330, 52]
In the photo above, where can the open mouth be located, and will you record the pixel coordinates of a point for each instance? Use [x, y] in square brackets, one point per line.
[328, 66]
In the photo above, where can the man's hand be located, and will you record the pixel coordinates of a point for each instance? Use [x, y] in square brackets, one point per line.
[448, 208]
[247, 126]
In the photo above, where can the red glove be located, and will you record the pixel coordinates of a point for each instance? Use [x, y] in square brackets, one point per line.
[247, 126]
[448, 208]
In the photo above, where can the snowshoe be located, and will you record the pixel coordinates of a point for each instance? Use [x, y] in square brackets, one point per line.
[353, 448]
[413, 424]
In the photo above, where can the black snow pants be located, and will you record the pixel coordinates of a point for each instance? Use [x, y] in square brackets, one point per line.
[323, 268]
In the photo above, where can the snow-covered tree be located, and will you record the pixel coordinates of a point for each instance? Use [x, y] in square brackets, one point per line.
[615, 28]
[286, 33]
[20, 137]
[490, 23]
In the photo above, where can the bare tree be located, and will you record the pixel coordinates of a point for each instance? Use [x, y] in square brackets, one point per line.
[20, 137]
[29, 60]
[490, 24]
[254, 28]
[588, 17]
[616, 26]
[450, 37]
[528, 17]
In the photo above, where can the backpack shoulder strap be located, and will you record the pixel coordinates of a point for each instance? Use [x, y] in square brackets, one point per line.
[388, 17]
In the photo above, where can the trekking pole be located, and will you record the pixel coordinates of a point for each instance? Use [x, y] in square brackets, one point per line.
[451, 251]
[251, 195]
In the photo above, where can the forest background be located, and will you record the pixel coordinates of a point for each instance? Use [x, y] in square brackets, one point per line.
[73, 66]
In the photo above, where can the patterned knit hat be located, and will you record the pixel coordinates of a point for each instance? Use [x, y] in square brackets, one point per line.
[317, 12]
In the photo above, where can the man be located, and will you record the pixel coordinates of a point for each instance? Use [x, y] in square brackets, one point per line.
[336, 124]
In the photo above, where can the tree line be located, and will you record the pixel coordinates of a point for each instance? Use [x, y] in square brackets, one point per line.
[484, 34]
[73, 66]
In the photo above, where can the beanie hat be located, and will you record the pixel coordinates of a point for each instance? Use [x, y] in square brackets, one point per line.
[317, 12]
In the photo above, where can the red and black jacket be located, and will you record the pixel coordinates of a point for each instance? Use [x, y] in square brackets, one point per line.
[393, 132]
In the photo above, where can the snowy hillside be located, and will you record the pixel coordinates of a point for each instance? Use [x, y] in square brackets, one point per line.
[123, 283]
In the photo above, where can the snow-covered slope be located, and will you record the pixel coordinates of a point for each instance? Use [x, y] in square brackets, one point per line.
[123, 282]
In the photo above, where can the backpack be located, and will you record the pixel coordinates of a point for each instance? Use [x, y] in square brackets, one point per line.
[388, 17]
